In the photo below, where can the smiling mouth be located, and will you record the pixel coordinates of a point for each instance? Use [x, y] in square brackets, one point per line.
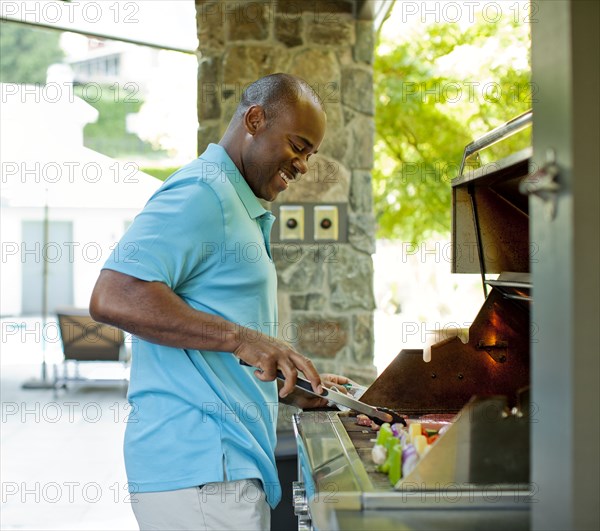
[285, 177]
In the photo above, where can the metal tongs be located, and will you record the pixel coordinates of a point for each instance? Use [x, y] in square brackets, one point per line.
[377, 414]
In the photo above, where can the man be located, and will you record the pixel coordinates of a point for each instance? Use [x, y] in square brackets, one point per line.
[193, 279]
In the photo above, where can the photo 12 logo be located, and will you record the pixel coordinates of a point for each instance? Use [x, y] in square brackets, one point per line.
[441, 11]
[61, 13]
[68, 172]
[54, 92]
[69, 412]
[67, 492]
[54, 252]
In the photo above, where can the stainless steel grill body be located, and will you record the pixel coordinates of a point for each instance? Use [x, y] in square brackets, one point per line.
[476, 475]
[339, 489]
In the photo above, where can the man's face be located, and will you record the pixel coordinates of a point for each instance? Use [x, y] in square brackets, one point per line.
[276, 153]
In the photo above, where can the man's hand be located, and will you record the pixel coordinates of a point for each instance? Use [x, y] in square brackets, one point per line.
[302, 400]
[335, 380]
[269, 355]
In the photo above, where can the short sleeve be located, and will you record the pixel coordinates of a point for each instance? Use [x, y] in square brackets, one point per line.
[174, 235]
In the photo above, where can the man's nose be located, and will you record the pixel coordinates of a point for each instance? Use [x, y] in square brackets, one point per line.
[301, 165]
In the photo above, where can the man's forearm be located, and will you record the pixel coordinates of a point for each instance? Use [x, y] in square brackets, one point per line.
[152, 311]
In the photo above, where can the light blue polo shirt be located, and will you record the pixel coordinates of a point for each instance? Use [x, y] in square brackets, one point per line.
[206, 236]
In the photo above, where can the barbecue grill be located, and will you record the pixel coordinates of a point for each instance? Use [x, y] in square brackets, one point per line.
[477, 472]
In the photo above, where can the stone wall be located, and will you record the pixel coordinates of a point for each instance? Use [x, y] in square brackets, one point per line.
[325, 291]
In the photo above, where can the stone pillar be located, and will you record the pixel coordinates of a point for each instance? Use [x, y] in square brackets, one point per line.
[326, 297]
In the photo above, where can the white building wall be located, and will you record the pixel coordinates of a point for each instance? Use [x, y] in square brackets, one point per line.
[44, 162]
[95, 233]
[10, 274]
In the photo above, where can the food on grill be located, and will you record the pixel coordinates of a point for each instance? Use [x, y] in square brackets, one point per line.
[363, 420]
[410, 458]
[420, 443]
[395, 458]
[379, 454]
[414, 430]
[398, 449]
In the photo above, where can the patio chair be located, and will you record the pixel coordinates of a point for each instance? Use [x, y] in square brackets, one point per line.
[87, 341]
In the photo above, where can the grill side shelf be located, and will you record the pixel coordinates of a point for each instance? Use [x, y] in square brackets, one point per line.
[330, 467]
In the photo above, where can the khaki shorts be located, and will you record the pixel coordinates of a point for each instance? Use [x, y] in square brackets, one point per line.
[234, 505]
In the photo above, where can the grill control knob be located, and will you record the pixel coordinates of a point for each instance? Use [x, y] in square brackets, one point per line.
[297, 488]
[299, 499]
[305, 525]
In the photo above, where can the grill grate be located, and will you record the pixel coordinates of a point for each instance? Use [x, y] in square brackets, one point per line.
[362, 438]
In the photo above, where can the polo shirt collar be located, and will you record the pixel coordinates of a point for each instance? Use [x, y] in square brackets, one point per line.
[243, 190]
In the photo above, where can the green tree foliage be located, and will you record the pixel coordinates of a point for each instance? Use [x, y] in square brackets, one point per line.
[109, 133]
[26, 53]
[160, 173]
[437, 88]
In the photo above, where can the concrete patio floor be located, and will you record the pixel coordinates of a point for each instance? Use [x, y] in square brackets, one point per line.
[61, 462]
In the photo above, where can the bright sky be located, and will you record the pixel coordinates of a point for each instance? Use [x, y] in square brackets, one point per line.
[164, 22]
[408, 15]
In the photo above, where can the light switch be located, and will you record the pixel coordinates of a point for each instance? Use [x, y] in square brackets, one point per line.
[291, 222]
[326, 222]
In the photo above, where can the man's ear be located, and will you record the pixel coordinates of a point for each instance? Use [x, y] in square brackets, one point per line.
[254, 119]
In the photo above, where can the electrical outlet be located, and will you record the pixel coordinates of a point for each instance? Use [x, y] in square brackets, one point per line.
[326, 222]
[291, 222]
